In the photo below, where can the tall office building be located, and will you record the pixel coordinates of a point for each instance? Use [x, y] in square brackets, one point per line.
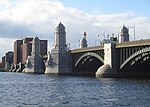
[27, 48]
[43, 47]
[23, 48]
[17, 52]
[124, 36]
[3, 62]
[8, 59]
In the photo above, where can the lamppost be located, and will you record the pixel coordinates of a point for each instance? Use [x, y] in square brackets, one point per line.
[103, 34]
[96, 41]
[79, 43]
[133, 31]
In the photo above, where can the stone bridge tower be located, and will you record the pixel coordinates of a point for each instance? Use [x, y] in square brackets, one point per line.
[83, 41]
[59, 59]
[34, 63]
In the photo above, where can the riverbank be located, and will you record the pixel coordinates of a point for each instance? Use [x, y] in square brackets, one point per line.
[3, 70]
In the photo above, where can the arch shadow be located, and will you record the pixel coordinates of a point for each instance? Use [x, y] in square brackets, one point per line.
[137, 62]
[88, 63]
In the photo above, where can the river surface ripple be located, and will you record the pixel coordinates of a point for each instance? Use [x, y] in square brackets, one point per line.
[29, 90]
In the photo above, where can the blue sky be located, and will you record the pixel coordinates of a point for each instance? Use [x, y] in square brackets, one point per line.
[141, 7]
[29, 18]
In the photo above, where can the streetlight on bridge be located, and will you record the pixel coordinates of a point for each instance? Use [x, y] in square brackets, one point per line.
[103, 34]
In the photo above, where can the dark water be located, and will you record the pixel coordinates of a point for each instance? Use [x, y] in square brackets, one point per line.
[19, 90]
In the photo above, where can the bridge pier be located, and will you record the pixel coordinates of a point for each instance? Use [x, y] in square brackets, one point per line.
[110, 61]
[59, 61]
[34, 63]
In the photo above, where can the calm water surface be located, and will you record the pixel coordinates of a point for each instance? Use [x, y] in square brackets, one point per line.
[24, 90]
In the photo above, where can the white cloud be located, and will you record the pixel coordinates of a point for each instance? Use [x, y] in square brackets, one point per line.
[6, 44]
[5, 3]
[40, 17]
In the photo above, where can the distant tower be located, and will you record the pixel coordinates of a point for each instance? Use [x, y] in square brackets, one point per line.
[58, 61]
[35, 62]
[124, 36]
[60, 38]
[83, 41]
[35, 47]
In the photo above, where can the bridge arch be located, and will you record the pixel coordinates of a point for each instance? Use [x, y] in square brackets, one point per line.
[86, 59]
[89, 54]
[140, 56]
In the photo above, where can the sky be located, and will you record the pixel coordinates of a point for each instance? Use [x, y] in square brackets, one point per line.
[30, 18]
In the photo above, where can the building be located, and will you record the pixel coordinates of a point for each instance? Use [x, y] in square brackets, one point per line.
[23, 48]
[3, 62]
[27, 48]
[43, 47]
[3, 59]
[8, 59]
[124, 35]
[17, 52]
[26, 51]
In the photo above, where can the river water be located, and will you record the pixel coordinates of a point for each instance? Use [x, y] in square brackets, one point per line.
[29, 90]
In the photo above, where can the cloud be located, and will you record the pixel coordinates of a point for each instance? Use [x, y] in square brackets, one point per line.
[6, 44]
[5, 3]
[40, 17]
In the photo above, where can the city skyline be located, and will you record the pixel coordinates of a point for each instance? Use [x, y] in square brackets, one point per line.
[22, 18]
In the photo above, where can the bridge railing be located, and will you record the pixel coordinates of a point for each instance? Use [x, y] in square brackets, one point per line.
[118, 45]
[93, 48]
[133, 43]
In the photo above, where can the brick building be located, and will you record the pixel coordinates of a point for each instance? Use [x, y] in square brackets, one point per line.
[23, 48]
[9, 58]
[17, 52]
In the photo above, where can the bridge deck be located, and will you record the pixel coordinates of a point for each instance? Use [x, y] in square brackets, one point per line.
[94, 48]
[118, 45]
[133, 43]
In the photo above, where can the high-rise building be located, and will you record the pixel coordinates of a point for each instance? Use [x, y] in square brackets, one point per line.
[27, 48]
[3, 62]
[35, 63]
[43, 47]
[124, 36]
[3, 59]
[9, 59]
[17, 52]
[23, 48]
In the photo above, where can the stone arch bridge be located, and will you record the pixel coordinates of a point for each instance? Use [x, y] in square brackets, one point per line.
[128, 58]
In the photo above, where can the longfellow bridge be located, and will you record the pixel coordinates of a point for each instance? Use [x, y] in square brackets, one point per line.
[128, 58]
